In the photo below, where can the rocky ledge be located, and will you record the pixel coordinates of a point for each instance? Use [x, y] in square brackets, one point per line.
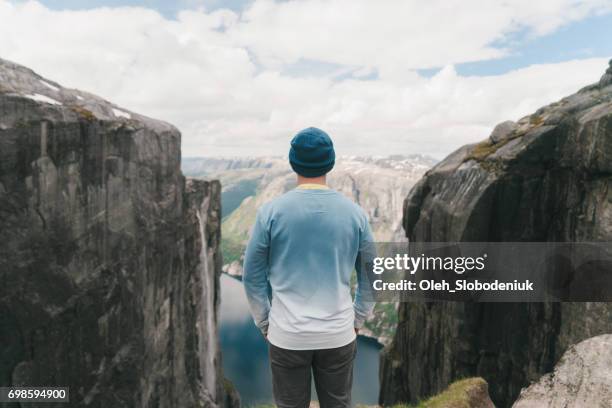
[109, 260]
[547, 177]
[583, 378]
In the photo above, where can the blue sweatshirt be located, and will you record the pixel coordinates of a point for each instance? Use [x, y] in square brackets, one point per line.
[298, 265]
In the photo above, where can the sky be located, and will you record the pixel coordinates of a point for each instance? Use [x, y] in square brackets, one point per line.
[241, 77]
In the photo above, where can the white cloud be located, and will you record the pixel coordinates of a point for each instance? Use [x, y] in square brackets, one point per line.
[198, 72]
[398, 33]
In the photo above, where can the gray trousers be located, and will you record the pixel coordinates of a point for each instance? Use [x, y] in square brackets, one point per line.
[332, 370]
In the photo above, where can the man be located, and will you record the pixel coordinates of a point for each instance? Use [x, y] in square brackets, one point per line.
[304, 247]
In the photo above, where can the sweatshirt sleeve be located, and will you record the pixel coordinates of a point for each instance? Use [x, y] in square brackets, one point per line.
[255, 273]
[367, 251]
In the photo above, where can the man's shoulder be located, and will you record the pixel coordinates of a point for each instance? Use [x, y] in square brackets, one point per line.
[292, 198]
[350, 204]
[275, 204]
[278, 201]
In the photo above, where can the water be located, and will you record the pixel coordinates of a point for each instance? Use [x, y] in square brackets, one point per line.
[245, 353]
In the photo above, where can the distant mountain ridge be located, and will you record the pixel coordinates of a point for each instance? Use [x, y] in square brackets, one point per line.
[200, 166]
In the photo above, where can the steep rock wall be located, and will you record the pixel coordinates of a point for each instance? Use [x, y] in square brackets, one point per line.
[546, 178]
[109, 260]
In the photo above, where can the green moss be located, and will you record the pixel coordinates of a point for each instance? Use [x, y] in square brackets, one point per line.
[84, 113]
[457, 395]
[536, 120]
[232, 249]
[228, 386]
[485, 148]
[482, 150]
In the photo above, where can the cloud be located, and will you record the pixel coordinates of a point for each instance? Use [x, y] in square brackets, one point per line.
[398, 33]
[220, 76]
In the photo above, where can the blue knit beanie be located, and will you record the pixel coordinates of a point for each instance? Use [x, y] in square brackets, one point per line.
[312, 153]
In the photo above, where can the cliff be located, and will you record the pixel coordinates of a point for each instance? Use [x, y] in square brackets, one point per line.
[109, 259]
[547, 177]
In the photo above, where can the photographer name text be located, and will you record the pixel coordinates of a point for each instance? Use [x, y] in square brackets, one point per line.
[455, 286]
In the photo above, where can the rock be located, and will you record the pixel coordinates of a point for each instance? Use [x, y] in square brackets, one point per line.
[606, 79]
[503, 131]
[583, 378]
[551, 182]
[233, 269]
[478, 396]
[466, 393]
[109, 260]
[232, 398]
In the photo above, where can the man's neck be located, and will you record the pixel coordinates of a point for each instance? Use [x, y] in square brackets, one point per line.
[311, 180]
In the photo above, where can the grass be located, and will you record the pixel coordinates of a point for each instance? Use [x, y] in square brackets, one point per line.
[536, 120]
[457, 395]
[486, 148]
[482, 150]
[231, 248]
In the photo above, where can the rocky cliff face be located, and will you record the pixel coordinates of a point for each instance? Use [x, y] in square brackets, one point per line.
[582, 378]
[109, 260]
[546, 178]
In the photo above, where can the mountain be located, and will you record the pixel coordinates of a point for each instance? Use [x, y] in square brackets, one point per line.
[377, 184]
[109, 259]
[547, 177]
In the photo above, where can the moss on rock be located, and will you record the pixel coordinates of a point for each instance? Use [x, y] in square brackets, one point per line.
[467, 393]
